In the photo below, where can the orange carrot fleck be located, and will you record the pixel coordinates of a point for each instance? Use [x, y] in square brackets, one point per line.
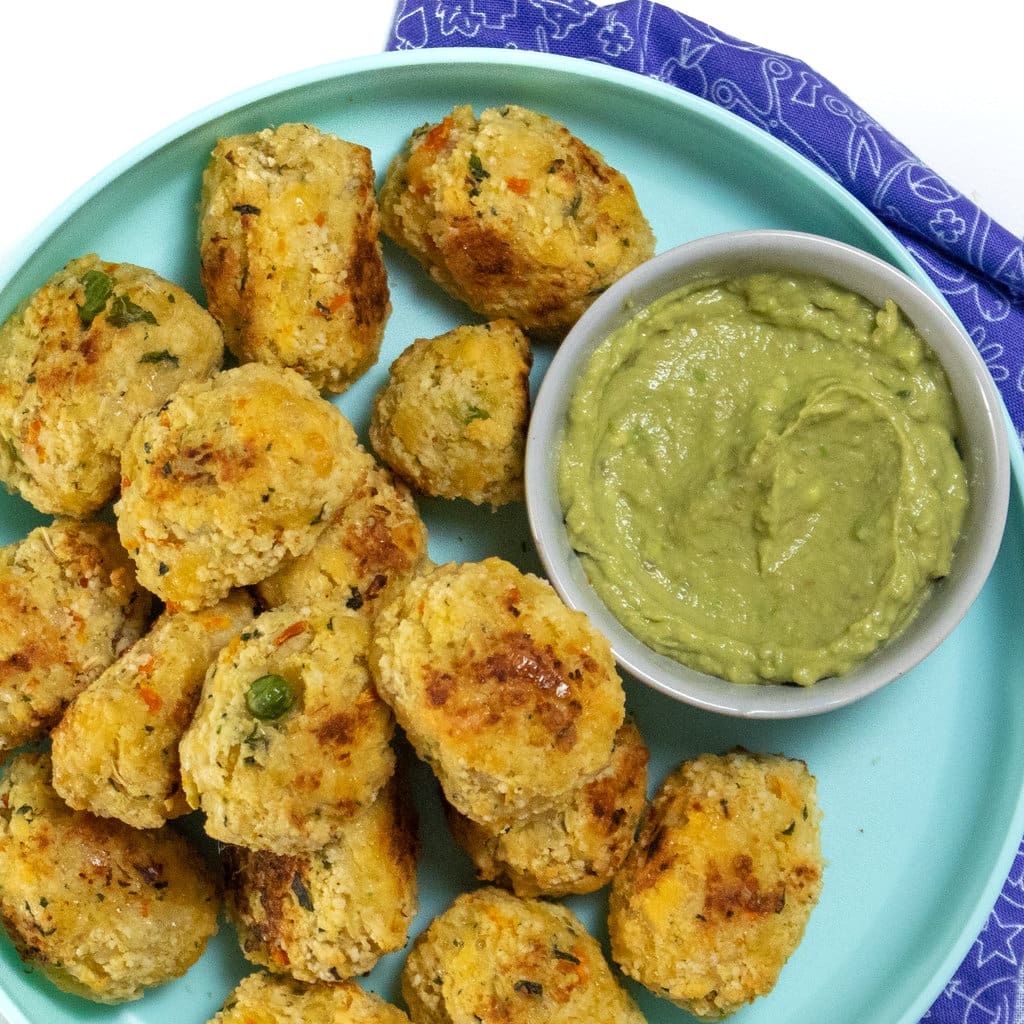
[151, 699]
[437, 137]
[32, 438]
[332, 306]
[575, 964]
[319, 219]
[293, 630]
[521, 186]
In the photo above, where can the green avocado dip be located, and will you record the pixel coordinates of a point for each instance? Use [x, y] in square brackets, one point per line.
[761, 478]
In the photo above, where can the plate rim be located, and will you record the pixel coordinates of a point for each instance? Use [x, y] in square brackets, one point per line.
[631, 81]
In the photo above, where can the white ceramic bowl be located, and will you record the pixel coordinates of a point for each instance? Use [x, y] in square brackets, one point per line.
[984, 444]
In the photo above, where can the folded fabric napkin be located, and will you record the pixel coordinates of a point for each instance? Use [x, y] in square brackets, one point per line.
[976, 264]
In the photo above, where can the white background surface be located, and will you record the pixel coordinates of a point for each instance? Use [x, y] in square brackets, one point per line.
[81, 85]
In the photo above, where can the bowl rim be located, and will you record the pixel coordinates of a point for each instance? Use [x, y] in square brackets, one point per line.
[982, 417]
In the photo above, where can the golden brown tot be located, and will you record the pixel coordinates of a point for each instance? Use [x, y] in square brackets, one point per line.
[291, 259]
[514, 215]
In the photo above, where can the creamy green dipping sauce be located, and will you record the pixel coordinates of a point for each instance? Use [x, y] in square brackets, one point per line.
[760, 476]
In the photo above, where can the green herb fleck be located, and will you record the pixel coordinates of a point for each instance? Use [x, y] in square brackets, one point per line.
[98, 287]
[124, 312]
[269, 697]
[574, 206]
[789, 831]
[244, 208]
[561, 954]
[474, 412]
[476, 168]
[256, 738]
[529, 988]
[163, 356]
[301, 893]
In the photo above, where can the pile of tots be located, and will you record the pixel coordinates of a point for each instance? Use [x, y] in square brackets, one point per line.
[243, 633]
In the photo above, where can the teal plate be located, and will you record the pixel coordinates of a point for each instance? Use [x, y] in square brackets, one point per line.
[920, 784]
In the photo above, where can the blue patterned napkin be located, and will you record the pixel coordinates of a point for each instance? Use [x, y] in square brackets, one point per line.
[976, 264]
